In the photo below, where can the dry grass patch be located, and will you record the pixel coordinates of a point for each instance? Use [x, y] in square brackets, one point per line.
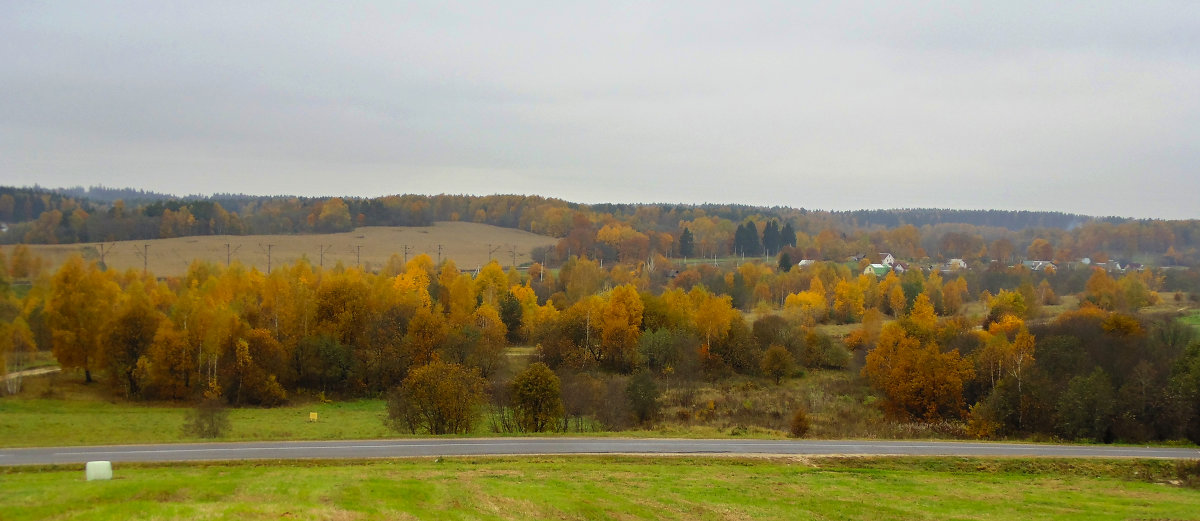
[465, 243]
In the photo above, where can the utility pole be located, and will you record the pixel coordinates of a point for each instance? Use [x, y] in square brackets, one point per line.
[269, 246]
[104, 252]
[513, 253]
[492, 250]
[145, 255]
[406, 254]
[358, 255]
[324, 248]
[229, 253]
[439, 255]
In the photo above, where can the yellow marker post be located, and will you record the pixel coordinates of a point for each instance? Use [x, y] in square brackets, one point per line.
[312, 416]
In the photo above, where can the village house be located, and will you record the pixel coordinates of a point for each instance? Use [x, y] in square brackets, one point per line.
[878, 270]
[1040, 265]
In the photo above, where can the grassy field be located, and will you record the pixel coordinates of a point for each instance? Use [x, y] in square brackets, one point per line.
[1193, 318]
[59, 422]
[609, 488]
[466, 243]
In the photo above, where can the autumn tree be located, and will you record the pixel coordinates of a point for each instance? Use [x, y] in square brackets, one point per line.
[437, 398]
[847, 302]
[426, 333]
[712, 314]
[331, 216]
[81, 302]
[250, 375]
[171, 368]
[954, 294]
[917, 378]
[17, 343]
[491, 283]
[1102, 291]
[536, 398]
[488, 353]
[1002, 250]
[1040, 249]
[777, 362]
[807, 307]
[128, 339]
[620, 322]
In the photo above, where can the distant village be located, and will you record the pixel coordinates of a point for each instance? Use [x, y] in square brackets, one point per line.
[886, 262]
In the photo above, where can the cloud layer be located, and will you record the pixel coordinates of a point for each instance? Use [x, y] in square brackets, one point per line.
[1086, 107]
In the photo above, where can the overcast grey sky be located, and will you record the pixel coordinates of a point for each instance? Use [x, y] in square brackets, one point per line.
[1089, 107]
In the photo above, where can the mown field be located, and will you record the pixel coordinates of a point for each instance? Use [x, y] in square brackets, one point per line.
[587, 487]
[466, 243]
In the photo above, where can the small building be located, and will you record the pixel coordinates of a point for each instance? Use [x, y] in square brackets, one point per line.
[805, 262]
[887, 259]
[1046, 266]
[956, 264]
[878, 270]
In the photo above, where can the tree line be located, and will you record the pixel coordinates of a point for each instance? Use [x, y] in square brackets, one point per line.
[612, 334]
[617, 231]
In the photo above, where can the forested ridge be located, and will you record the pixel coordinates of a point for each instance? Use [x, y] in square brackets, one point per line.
[608, 231]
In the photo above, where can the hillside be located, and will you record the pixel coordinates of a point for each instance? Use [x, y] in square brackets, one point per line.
[466, 243]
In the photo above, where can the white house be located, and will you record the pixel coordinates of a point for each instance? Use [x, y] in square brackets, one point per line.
[887, 259]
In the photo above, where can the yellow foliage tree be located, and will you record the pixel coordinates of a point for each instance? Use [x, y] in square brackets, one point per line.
[806, 308]
[916, 377]
[491, 283]
[82, 300]
[847, 302]
[620, 320]
[713, 314]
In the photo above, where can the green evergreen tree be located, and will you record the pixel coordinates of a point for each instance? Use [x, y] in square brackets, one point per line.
[785, 262]
[787, 236]
[687, 244]
[770, 238]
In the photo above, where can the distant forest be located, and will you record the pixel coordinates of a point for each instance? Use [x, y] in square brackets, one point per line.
[613, 232]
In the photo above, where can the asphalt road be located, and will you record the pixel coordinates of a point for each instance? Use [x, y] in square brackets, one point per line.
[532, 446]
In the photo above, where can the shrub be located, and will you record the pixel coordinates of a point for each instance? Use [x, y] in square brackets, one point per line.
[210, 419]
[536, 398]
[643, 396]
[1188, 472]
[438, 398]
[777, 363]
[799, 426]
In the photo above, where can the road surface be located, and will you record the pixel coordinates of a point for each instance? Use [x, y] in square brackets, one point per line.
[532, 446]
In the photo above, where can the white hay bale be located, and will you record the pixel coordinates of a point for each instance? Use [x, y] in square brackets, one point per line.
[99, 470]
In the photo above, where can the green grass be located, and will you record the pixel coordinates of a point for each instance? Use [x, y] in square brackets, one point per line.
[61, 422]
[1192, 318]
[608, 488]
